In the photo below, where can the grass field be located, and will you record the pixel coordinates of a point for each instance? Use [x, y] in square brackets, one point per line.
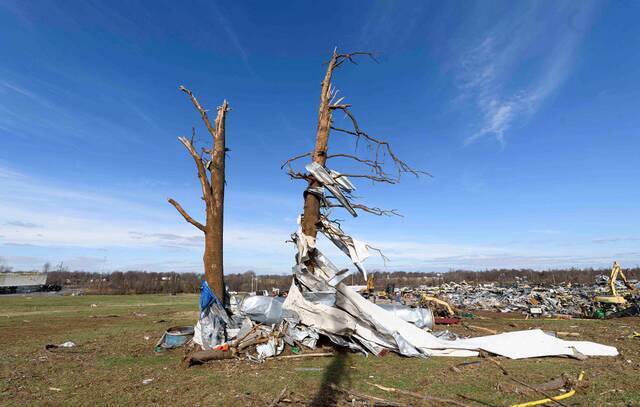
[115, 355]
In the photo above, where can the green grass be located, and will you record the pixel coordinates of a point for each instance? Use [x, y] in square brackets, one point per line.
[37, 305]
[113, 357]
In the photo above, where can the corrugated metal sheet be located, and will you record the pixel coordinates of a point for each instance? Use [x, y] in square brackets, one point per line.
[21, 279]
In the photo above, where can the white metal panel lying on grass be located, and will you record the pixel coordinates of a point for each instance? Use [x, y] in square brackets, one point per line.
[395, 334]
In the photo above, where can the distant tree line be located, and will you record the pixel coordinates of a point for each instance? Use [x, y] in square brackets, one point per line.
[501, 276]
[142, 282]
[129, 282]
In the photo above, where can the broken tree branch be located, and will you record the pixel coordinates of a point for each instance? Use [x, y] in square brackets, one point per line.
[377, 211]
[341, 58]
[371, 177]
[186, 216]
[381, 145]
[203, 111]
[279, 397]
[292, 159]
[373, 400]
[202, 173]
[417, 395]
[298, 175]
[375, 166]
[385, 259]
[506, 373]
[305, 355]
[372, 210]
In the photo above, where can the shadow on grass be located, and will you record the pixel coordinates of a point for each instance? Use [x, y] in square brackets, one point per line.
[334, 374]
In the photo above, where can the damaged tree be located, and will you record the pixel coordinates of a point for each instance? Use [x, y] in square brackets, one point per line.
[210, 164]
[319, 302]
[314, 198]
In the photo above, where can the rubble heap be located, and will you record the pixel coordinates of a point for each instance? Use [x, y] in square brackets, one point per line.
[319, 304]
[568, 299]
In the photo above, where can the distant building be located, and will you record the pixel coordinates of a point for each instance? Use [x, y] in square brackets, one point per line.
[22, 282]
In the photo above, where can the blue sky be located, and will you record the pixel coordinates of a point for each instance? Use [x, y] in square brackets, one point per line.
[526, 114]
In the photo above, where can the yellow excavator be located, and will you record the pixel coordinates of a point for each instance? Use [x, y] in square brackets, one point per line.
[615, 298]
[370, 284]
[438, 305]
[370, 291]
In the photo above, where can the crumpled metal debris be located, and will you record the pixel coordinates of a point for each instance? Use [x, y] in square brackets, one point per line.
[338, 186]
[296, 333]
[266, 310]
[320, 304]
[536, 300]
[353, 319]
[357, 251]
[420, 317]
[273, 347]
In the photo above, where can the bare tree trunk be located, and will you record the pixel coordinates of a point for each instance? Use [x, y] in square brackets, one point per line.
[311, 214]
[212, 194]
[315, 203]
[213, 246]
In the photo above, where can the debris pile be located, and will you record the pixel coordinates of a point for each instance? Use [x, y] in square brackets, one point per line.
[263, 327]
[568, 299]
[350, 320]
[319, 305]
[561, 299]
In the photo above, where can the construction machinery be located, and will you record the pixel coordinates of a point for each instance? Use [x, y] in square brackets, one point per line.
[615, 298]
[370, 284]
[440, 307]
[614, 304]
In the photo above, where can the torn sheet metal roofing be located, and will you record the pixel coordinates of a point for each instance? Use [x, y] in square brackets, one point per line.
[420, 317]
[377, 330]
[532, 343]
[357, 250]
[266, 310]
[347, 317]
[335, 187]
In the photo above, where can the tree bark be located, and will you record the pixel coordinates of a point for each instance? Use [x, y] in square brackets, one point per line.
[213, 241]
[311, 214]
[212, 194]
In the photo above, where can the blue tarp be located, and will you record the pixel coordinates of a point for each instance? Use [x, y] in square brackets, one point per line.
[207, 297]
[213, 318]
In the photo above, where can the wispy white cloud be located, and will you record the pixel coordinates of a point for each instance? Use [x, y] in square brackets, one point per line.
[233, 37]
[83, 217]
[519, 63]
[41, 110]
[14, 88]
[9, 174]
[616, 240]
[139, 112]
[21, 224]
[386, 26]
[106, 231]
[74, 221]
